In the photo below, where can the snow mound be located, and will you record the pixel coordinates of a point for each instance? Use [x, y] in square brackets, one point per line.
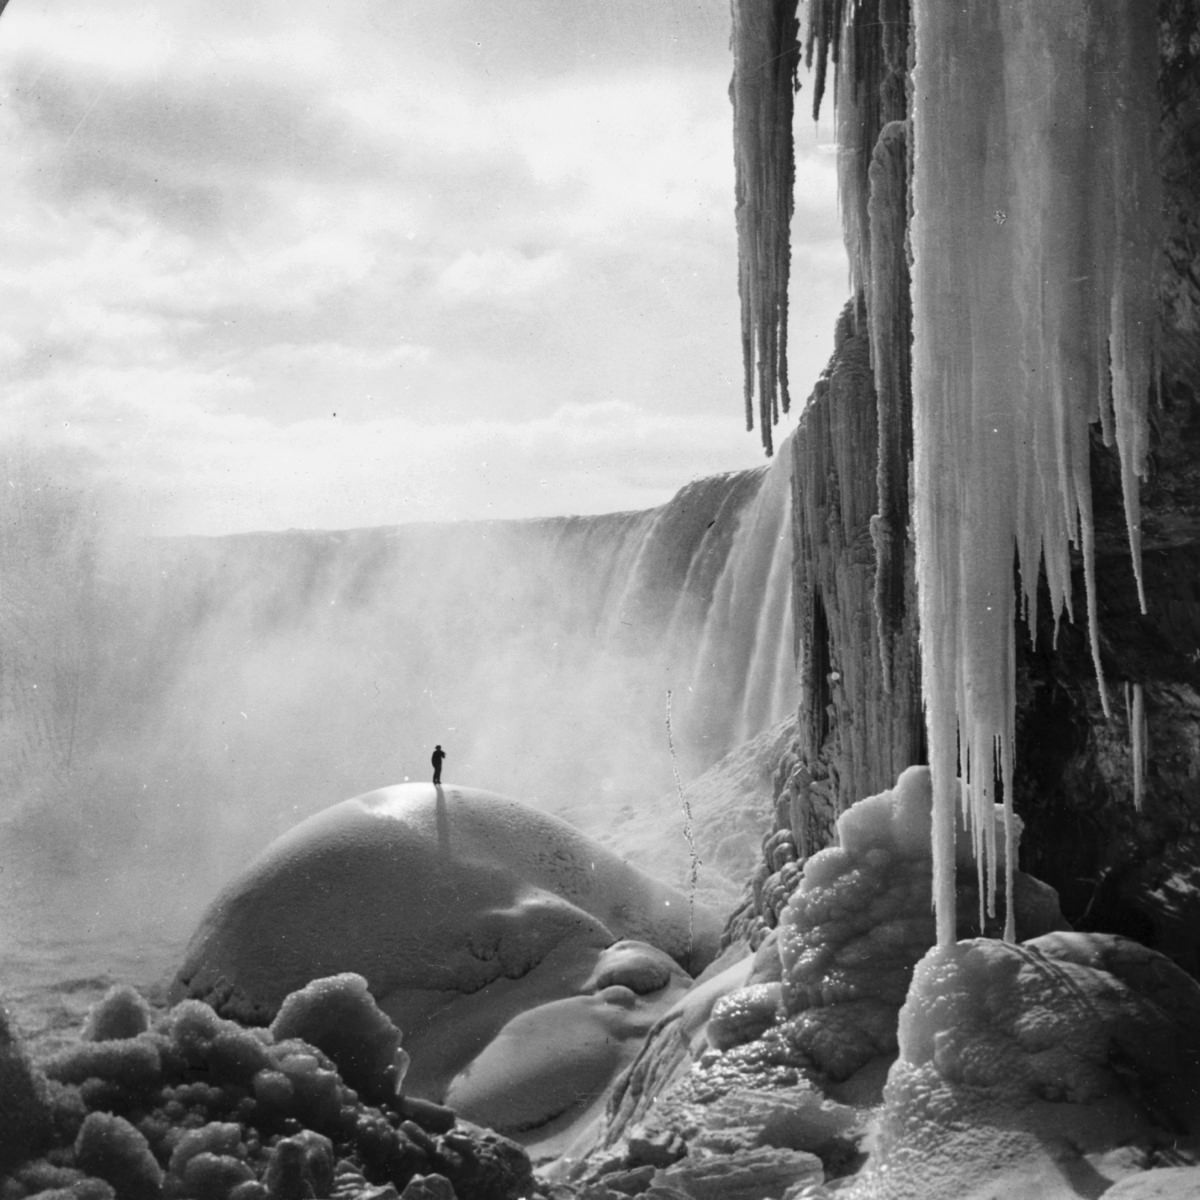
[463, 911]
[1028, 1063]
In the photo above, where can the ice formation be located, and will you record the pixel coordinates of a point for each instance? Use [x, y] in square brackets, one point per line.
[765, 55]
[193, 1105]
[1033, 233]
[1135, 715]
[339, 1016]
[859, 921]
[1063, 1060]
[479, 925]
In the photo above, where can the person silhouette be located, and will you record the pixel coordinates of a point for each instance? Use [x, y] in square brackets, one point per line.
[436, 759]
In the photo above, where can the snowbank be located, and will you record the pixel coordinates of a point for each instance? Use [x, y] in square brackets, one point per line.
[464, 911]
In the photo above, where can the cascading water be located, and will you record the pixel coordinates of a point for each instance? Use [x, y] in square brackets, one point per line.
[199, 696]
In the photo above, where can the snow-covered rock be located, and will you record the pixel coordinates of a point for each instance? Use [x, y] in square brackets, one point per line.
[464, 912]
[1025, 1063]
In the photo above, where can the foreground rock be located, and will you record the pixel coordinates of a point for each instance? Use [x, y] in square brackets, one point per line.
[186, 1104]
[1034, 1066]
[1056, 1066]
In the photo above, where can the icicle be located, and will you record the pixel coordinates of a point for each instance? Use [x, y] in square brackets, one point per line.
[1135, 716]
[1034, 197]
[765, 59]
[889, 322]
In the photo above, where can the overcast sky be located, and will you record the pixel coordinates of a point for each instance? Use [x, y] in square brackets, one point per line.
[275, 264]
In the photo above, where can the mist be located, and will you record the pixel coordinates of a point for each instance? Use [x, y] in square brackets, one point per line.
[173, 704]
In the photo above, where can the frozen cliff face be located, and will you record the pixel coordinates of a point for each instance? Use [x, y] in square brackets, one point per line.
[1080, 759]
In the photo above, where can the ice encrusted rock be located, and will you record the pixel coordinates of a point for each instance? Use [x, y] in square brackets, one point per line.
[1017, 1062]
[762, 1172]
[860, 920]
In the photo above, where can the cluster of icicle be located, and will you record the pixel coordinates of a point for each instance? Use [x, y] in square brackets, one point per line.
[1033, 284]
[1034, 201]
[765, 58]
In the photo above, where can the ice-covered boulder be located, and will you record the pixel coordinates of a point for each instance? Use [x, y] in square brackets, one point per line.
[26, 1123]
[463, 911]
[545, 1077]
[1024, 1065]
[339, 1016]
[860, 919]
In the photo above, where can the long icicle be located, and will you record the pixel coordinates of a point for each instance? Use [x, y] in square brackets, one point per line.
[1034, 196]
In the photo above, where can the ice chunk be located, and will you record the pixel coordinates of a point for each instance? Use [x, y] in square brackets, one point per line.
[111, 1148]
[122, 1012]
[339, 1015]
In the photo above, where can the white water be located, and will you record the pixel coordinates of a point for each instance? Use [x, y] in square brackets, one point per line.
[173, 707]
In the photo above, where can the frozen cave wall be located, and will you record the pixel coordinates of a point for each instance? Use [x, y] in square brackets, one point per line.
[1118, 867]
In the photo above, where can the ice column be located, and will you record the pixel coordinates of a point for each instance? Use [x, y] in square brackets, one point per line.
[765, 58]
[1033, 239]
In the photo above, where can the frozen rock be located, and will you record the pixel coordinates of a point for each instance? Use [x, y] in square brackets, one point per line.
[744, 1014]
[798, 1118]
[462, 911]
[300, 1166]
[1017, 1061]
[428, 1187]
[339, 1016]
[217, 1138]
[860, 920]
[1166, 1183]
[757, 1174]
[26, 1125]
[482, 1165]
[121, 1013]
[111, 1148]
[210, 1176]
[83, 1189]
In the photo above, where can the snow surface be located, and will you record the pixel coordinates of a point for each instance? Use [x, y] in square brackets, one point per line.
[522, 961]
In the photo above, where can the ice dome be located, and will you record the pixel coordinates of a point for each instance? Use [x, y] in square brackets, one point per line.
[463, 911]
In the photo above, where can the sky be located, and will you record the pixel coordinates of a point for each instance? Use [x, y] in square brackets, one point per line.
[297, 264]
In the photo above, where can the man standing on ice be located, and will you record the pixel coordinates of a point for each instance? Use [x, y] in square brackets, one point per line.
[438, 755]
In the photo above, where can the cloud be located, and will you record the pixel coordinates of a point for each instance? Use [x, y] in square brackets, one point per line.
[499, 274]
[455, 228]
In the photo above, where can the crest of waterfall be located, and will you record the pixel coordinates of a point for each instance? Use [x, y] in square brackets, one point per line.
[206, 693]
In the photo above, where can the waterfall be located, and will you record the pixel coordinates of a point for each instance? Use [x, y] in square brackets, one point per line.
[234, 685]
